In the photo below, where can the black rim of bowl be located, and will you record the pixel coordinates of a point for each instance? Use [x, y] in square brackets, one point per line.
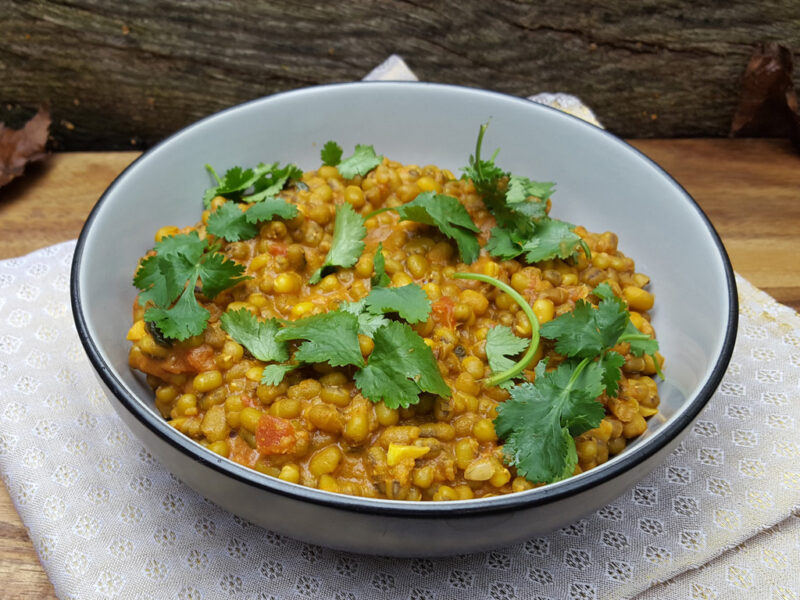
[402, 508]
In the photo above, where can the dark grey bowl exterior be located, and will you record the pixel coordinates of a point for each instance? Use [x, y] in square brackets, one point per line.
[604, 184]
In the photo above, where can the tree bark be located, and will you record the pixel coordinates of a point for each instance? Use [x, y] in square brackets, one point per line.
[126, 74]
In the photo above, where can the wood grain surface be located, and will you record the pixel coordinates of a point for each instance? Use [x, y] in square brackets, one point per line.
[125, 74]
[750, 189]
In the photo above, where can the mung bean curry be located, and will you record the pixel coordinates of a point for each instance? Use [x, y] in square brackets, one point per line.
[395, 331]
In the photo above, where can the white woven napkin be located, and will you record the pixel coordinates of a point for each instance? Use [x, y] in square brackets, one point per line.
[715, 520]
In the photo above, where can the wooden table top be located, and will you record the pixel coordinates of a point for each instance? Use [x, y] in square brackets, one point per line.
[750, 189]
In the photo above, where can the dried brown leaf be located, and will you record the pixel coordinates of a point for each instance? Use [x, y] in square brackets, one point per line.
[768, 101]
[18, 147]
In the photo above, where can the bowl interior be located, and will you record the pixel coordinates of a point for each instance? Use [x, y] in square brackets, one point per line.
[602, 184]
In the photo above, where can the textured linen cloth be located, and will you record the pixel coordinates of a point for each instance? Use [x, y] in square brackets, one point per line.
[719, 518]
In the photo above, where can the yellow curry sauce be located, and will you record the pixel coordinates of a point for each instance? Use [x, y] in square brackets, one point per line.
[315, 428]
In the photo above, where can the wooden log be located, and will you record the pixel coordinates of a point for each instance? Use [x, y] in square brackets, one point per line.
[126, 74]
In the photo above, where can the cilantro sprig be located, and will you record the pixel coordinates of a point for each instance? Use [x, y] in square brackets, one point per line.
[347, 243]
[167, 281]
[446, 214]
[503, 369]
[539, 420]
[250, 185]
[399, 368]
[519, 207]
[361, 162]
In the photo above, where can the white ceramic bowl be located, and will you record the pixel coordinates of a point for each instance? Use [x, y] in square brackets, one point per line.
[602, 183]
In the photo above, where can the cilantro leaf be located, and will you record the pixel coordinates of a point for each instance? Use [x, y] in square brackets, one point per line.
[255, 335]
[368, 323]
[218, 273]
[409, 301]
[330, 337]
[158, 281]
[268, 209]
[361, 162]
[172, 275]
[261, 182]
[539, 420]
[380, 278]
[502, 244]
[501, 343]
[610, 364]
[181, 321]
[229, 222]
[400, 367]
[449, 216]
[331, 154]
[233, 223]
[552, 238]
[273, 374]
[347, 244]
[272, 181]
[521, 188]
[640, 343]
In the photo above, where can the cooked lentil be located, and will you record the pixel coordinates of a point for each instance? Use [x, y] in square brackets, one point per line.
[315, 428]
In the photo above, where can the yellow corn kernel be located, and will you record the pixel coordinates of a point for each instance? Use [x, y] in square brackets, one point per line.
[325, 461]
[433, 291]
[475, 300]
[137, 331]
[214, 425]
[465, 451]
[569, 279]
[259, 262]
[646, 411]
[328, 172]
[149, 346]
[474, 366]
[166, 231]
[365, 344]
[254, 374]
[464, 492]
[637, 298]
[520, 484]
[249, 418]
[287, 283]
[601, 260]
[207, 381]
[354, 196]
[400, 279]
[428, 184]
[329, 283]
[301, 309]
[328, 483]
[423, 477]
[357, 427]
[480, 469]
[398, 452]
[637, 319]
[544, 309]
[186, 406]
[220, 447]
[501, 477]
[483, 430]
[290, 473]
[445, 492]
[257, 300]
[418, 265]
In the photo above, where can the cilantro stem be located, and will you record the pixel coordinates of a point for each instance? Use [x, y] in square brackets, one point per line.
[379, 211]
[515, 370]
[211, 170]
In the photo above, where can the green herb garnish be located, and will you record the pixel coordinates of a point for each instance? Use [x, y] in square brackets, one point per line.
[250, 185]
[540, 419]
[168, 281]
[232, 223]
[445, 213]
[347, 244]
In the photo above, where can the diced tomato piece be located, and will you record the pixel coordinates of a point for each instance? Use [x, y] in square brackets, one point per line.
[443, 310]
[275, 435]
[276, 248]
[201, 358]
